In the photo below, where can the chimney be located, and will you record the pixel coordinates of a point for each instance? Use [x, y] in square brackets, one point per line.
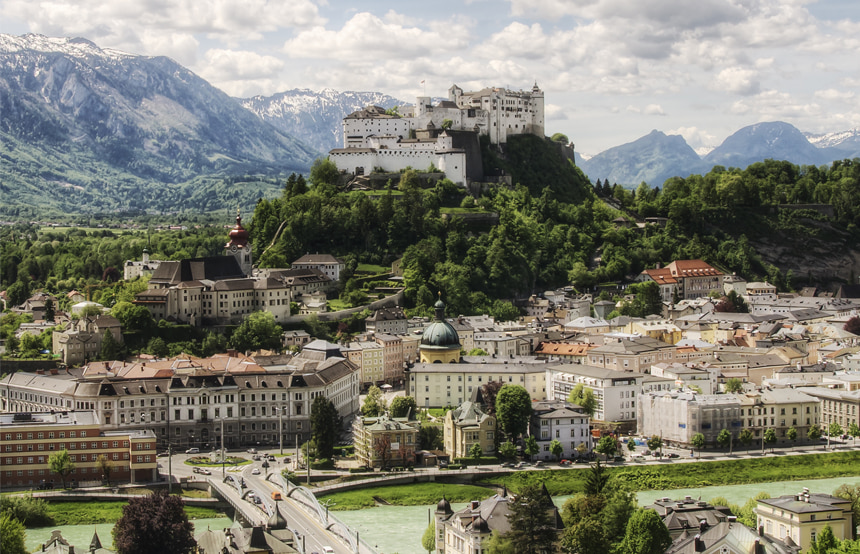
[702, 525]
[475, 504]
[54, 371]
[699, 544]
[40, 372]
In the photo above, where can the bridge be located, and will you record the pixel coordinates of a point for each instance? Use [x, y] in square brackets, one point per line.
[299, 508]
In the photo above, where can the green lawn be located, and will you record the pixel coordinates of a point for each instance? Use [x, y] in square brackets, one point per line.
[415, 494]
[372, 269]
[79, 513]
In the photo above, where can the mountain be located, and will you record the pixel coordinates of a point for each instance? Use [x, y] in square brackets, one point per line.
[115, 131]
[316, 117]
[652, 158]
[774, 140]
[846, 142]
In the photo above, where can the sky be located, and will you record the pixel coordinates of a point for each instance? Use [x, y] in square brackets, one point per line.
[611, 70]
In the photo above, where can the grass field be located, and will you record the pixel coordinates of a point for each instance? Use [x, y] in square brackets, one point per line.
[372, 269]
[407, 495]
[78, 513]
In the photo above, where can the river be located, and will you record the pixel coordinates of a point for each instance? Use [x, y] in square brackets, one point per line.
[399, 528]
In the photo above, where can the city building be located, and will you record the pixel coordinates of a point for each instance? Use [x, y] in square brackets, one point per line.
[685, 279]
[385, 441]
[559, 420]
[132, 269]
[82, 340]
[28, 439]
[326, 264]
[616, 392]
[800, 517]
[632, 353]
[780, 410]
[391, 321]
[440, 343]
[678, 415]
[468, 425]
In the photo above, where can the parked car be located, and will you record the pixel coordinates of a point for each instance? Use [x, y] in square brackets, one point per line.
[270, 458]
[522, 464]
[564, 463]
[639, 458]
[193, 451]
[673, 455]
[506, 464]
[538, 463]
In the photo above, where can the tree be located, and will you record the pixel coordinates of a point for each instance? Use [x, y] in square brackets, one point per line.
[834, 429]
[513, 409]
[769, 437]
[430, 437]
[814, 433]
[105, 466]
[50, 312]
[12, 535]
[698, 442]
[631, 445]
[111, 349]
[497, 544]
[851, 493]
[382, 448]
[583, 397]
[791, 434]
[154, 523]
[507, 450]
[531, 447]
[586, 536]
[157, 347]
[607, 446]
[724, 438]
[489, 392]
[428, 539]
[734, 385]
[854, 431]
[532, 521]
[257, 331]
[325, 423]
[852, 325]
[745, 437]
[655, 443]
[61, 464]
[646, 534]
[825, 542]
[596, 479]
[475, 452]
[374, 403]
[402, 406]
[556, 449]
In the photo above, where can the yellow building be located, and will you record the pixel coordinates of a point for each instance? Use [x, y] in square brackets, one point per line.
[802, 516]
[466, 426]
[384, 441]
[440, 342]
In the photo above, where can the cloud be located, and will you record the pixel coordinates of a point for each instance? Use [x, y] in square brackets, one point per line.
[738, 80]
[772, 105]
[833, 94]
[366, 37]
[694, 136]
[555, 113]
[229, 65]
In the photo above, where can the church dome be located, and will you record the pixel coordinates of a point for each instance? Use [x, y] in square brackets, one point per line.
[444, 507]
[440, 333]
[239, 236]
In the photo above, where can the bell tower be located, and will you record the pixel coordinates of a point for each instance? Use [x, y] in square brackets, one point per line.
[239, 246]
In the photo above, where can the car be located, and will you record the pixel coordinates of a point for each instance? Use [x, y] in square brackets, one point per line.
[673, 455]
[522, 464]
[538, 463]
[255, 457]
[255, 471]
[564, 463]
[205, 471]
[270, 458]
[328, 550]
[639, 458]
[506, 464]
[252, 451]
[195, 470]
[162, 455]
[193, 451]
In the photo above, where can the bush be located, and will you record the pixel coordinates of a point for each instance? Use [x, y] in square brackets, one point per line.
[32, 512]
[322, 463]
[361, 470]
[454, 466]
[344, 451]
[482, 461]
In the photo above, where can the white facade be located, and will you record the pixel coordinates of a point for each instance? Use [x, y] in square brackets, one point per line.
[678, 415]
[616, 392]
[561, 421]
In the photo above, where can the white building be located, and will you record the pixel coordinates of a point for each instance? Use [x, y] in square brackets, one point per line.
[616, 392]
[679, 415]
[561, 421]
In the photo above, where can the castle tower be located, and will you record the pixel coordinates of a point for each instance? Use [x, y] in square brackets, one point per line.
[538, 123]
[239, 246]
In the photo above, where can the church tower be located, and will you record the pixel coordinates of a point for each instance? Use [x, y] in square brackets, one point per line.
[239, 246]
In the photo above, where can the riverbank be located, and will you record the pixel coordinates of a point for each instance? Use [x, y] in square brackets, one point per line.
[101, 511]
[665, 475]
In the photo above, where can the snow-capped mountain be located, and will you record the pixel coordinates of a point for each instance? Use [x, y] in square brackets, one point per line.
[316, 117]
[848, 141]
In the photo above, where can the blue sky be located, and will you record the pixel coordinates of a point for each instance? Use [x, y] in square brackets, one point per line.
[612, 70]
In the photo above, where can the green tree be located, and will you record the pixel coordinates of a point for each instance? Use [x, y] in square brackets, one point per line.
[631, 445]
[814, 433]
[257, 331]
[583, 397]
[531, 447]
[556, 449]
[854, 431]
[698, 442]
[157, 347]
[154, 523]
[825, 542]
[532, 522]
[430, 437]
[724, 438]
[111, 348]
[498, 544]
[655, 443]
[513, 409]
[770, 438]
[402, 406]
[477, 352]
[475, 452]
[61, 464]
[325, 176]
[791, 434]
[325, 423]
[586, 536]
[12, 535]
[745, 437]
[507, 450]
[646, 534]
[428, 539]
[105, 466]
[596, 479]
[834, 429]
[607, 446]
[374, 403]
[50, 312]
[734, 385]
[852, 494]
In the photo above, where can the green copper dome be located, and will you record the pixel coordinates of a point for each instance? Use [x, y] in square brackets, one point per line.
[440, 333]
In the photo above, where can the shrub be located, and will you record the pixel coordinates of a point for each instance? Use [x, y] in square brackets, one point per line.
[322, 463]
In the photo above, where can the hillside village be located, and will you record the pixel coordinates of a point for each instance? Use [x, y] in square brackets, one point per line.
[726, 364]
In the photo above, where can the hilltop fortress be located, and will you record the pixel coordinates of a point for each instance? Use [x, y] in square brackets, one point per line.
[444, 136]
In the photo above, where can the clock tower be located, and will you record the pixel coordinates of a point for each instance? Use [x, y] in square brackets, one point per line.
[239, 247]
